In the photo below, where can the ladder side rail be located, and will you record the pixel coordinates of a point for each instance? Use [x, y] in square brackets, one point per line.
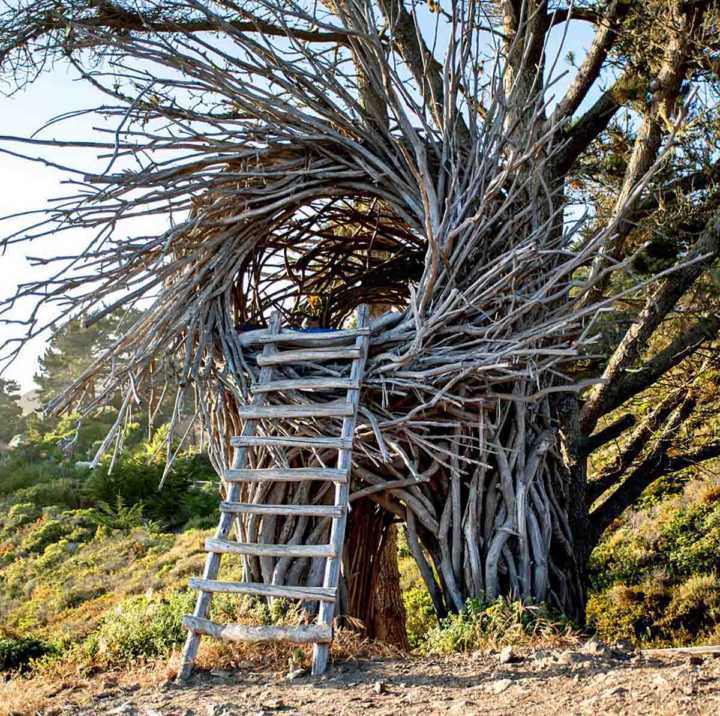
[227, 519]
[321, 651]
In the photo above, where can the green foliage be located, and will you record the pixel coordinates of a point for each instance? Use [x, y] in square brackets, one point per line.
[140, 627]
[420, 616]
[120, 516]
[135, 481]
[11, 414]
[654, 577]
[18, 653]
[482, 625]
[71, 350]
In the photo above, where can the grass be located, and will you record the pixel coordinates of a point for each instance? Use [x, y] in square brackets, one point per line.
[482, 626]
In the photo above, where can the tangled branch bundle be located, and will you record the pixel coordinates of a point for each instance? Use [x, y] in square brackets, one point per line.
[311, 160]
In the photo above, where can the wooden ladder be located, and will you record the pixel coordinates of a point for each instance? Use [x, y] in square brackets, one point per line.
[315, 347]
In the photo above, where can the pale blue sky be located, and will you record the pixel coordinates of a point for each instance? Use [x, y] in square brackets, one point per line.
[27, 185]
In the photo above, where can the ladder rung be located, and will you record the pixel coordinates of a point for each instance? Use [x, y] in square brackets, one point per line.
[290, 441]
[290, 474]
[310, 336]
[327, 410]
[304, 510]
[269, 550]
[307, 384]
[320, 594]
[309, 354]
[301, 634]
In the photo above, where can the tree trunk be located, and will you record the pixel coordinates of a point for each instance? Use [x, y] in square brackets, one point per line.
[374, 600]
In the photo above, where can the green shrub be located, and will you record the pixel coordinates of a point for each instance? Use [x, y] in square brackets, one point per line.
[134, 480]
[420, 616]
[482, 625]
[628, 611]
[140, 628]
[694, 609]
[17, 653]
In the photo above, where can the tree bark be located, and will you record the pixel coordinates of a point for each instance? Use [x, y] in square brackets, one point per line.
[372, 578]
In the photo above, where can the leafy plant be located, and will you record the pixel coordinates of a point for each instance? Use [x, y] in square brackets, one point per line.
[122, 517]
[17, 653]
[140, 627]
[482, 625]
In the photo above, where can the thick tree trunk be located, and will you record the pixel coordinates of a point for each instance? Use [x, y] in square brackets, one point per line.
[374, 600]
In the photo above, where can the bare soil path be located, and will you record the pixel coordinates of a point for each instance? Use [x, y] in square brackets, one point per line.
[587, 680]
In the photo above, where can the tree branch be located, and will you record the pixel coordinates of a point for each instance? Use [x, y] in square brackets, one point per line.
[583, 132]
[425, 69]
[694, 457]
[586, 14]
[41, 22]
[636, 443]
[612, 431]
[589, 71]
[650, 469]
[660, 302]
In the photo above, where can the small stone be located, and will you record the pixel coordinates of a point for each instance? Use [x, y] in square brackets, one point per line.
[226, 709]
[296, 674]
[497, 687]
[695, 660]
[379, 687]
[508, 656]
[614, 692]
[570, 657]
[624, 645]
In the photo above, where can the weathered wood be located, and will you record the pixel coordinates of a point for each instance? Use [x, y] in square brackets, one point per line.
[223, 546]
[327, 410]
[321, 594]
[290, 441]
[301, 634]
[669, 651]
[308, 355]
[301, 337]
[290, 474]
[212, 561]
[321, 652]
[305, 384]
[261, 509]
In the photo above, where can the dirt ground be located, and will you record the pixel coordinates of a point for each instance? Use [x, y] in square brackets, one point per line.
[591, 679]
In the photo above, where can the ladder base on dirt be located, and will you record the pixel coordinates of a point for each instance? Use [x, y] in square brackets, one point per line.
[303, 353]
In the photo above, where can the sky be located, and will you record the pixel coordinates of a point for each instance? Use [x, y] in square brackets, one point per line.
[26, 185]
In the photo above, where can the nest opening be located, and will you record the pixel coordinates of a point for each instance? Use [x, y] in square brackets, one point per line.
[319, 267]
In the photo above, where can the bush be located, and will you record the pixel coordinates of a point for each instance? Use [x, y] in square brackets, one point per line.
[140, 628]
[628, 611]
[482, 625]
[135, 481]
[17, 653]
[420, 616]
